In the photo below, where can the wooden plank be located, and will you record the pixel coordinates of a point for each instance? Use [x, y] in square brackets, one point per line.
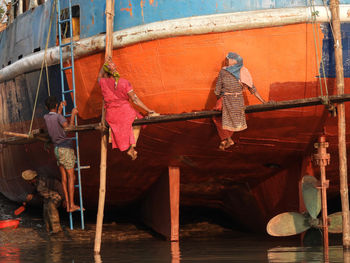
[160, 205]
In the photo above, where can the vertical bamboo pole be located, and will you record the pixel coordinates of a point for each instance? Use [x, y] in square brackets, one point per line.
[103, 166]
[20, 7]
[33, 4]
[334, 6]
[12, 13]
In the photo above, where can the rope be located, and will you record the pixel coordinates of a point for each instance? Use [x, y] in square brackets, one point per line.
[314, 29]
[329, 18]
[47, 79]
[317, 41]
[41, 71]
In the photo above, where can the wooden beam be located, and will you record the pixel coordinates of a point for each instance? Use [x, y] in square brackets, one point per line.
[160, 206]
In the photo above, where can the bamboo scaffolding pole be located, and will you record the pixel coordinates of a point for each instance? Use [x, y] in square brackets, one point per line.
[334, 7]
[16, 134]
[103, 164]
[24, 135]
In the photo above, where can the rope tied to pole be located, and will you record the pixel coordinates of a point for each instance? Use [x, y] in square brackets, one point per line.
[321, 71]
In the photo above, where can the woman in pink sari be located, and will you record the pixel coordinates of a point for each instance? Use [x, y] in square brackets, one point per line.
[120, 114]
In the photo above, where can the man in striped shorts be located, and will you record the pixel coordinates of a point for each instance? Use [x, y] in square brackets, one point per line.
[64, 151]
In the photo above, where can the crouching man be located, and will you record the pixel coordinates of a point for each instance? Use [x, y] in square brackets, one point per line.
[48, 189]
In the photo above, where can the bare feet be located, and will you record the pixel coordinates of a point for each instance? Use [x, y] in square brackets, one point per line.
[222, 145]
[75, 208]
[132, 153]
[229, 143]
[66, 206]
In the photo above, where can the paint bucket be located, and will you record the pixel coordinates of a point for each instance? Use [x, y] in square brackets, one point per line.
[9, 224]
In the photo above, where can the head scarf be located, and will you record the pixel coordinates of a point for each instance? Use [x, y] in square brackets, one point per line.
[236, 68]
[246, 78]
[111, 68]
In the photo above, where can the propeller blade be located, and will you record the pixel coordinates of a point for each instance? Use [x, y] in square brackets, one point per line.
[335, 223]
[313, 237]
[287, 224]
[311, 195]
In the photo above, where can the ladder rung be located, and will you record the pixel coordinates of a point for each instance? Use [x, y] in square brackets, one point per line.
[67, 91]
[83, 167]
[78, 210]
[66, 44]
[64, 21]
[77, 186]
[66, 68]
[67, 115]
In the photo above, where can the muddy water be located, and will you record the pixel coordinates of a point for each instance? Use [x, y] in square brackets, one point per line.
[124, 242]
[221, 248]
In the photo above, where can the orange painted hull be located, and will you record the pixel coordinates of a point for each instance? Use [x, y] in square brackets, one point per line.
[256, 178]
[178, 75]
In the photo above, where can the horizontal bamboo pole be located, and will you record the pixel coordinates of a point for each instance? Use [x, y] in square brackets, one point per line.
[16, 134]
[271, 106]
[85, 127]
[23, 135]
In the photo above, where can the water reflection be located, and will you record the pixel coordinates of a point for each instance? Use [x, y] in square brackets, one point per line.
[188, 250]
[98, 258]
[54, 252]
[346, 254]
[175, 252]
[9, 253]
[305, 254]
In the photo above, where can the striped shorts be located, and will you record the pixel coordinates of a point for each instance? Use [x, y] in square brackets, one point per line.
[65, 157]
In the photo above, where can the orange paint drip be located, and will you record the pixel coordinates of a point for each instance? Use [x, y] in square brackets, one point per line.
[128, 9]
[151, 2]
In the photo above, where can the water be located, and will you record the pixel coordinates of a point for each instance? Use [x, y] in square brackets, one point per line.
[219, 249]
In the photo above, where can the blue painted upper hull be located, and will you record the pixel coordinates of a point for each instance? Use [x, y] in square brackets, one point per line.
[29, 30]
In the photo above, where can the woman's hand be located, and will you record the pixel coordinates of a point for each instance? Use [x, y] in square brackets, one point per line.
[152, 113]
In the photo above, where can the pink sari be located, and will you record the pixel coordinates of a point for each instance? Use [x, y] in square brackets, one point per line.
[119, 112]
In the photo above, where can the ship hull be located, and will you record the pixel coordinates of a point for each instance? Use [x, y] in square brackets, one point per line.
[252, 181]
